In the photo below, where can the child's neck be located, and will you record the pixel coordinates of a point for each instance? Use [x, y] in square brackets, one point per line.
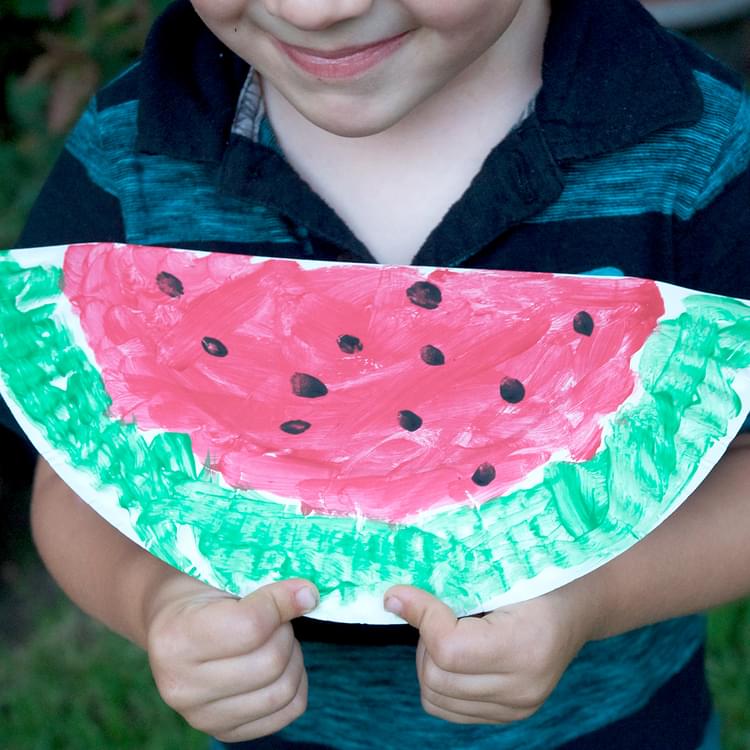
[398, 184]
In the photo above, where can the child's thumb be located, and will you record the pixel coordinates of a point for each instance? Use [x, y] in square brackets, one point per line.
[277, 603]
[434, 619]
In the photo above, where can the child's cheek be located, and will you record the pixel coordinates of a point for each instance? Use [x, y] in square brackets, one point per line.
[464, 15]
[220, 11]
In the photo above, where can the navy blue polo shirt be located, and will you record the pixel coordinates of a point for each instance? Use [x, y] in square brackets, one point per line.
[634, 160]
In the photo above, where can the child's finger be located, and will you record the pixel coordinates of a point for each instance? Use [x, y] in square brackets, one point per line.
[234, 704]
[252, 715]
[434, 620]
[273, 722]
[271, 606]
[226, 627]
[490, 688]
[251, 671]
[471, 712]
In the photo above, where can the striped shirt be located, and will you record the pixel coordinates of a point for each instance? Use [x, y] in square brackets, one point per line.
[633, 160]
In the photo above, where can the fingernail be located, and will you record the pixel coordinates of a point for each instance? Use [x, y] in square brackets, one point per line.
[306, 599]
[394, 605]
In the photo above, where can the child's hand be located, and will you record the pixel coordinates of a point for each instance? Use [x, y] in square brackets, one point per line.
[493, 669]
[231, 667]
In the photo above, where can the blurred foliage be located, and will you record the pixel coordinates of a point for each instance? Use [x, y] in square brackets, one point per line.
[67, 683]
[54, 54]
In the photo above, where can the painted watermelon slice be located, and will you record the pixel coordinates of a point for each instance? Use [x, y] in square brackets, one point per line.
[485, 435]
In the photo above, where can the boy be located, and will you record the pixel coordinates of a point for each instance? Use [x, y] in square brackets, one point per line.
[493, 133]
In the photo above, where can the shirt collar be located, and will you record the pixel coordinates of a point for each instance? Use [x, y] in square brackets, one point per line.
[189, 84]
[602, 89]
[611, 77]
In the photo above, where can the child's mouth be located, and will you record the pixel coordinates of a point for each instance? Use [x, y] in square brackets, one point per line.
[342, 63]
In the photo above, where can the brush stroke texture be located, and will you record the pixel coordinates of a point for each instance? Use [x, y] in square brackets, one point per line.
[577, 513]
[487, 371]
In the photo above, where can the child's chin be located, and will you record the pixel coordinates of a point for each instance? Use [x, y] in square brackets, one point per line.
[356, 130]
[353, 121]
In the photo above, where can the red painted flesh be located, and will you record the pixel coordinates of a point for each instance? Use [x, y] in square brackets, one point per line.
[276, 319]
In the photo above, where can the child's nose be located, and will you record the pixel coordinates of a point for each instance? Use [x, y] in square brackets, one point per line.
[313, 15]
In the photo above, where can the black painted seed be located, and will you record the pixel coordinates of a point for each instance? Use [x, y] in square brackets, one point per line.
[512, 390]
[349, 344]
[214, 347]
[169, 284]
[307, 386]
[296, 426]
[409, 420]
[431, 355]
[484, 474]
[424, 294]
[583, 323]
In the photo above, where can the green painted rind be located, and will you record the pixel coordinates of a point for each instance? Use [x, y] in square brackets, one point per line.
[577, 515]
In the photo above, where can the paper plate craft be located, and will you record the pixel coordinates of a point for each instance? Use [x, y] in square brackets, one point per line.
[486, 435]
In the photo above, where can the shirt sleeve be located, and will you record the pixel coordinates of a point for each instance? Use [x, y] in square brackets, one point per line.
[712, 245]
[72, 206]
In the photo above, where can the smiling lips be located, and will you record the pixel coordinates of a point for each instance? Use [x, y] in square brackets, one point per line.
[342, 63]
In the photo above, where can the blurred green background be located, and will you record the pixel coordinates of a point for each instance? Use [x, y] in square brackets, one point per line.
[54, 54]
[65, 682]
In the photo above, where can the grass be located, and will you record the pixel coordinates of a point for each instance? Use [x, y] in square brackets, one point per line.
[728, 665]
[67, 683]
